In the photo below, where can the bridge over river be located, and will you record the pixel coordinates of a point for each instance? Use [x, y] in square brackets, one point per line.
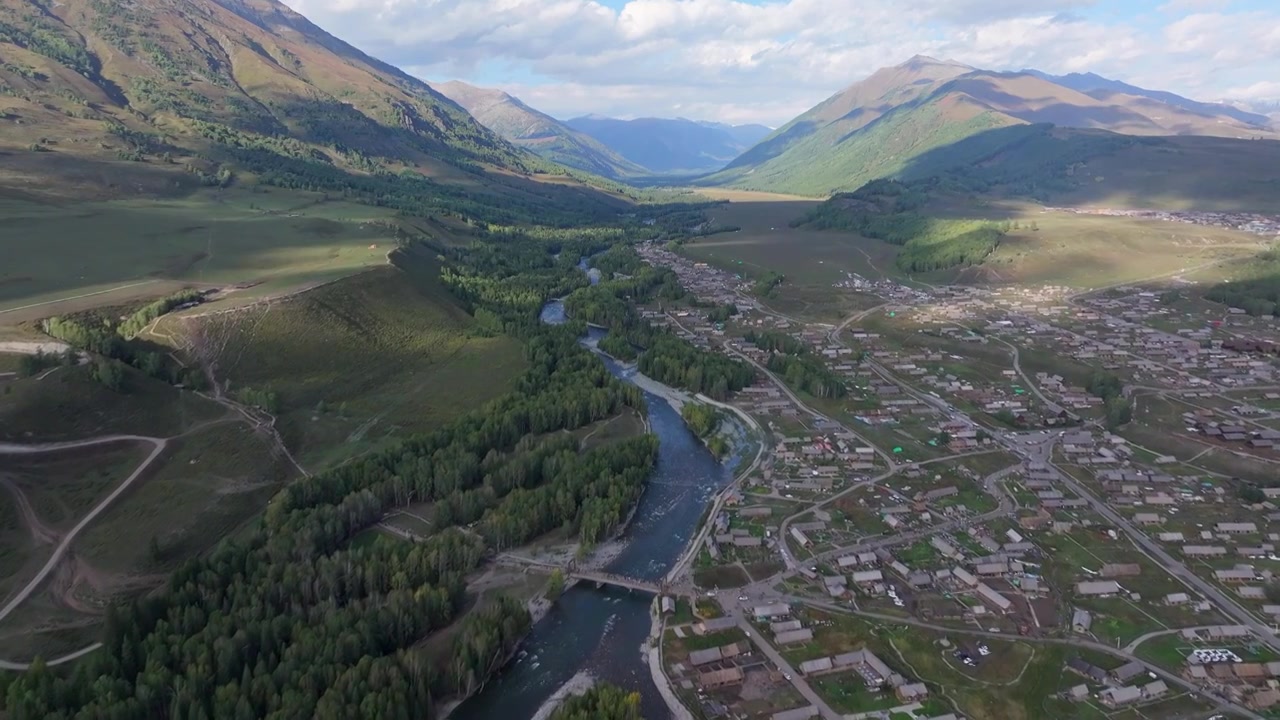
[571, 571]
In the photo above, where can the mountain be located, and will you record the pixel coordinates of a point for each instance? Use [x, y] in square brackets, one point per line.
[884, 125]
[746, 135]
[103, 98]
[528, 128]
[668, 145]
[1101, 88]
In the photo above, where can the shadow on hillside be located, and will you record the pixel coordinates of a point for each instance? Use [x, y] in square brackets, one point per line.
[1090, 167]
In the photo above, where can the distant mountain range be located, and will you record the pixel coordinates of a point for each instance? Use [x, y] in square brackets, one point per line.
[607, 146]
[891, 123]
[537, 131]
[671, 146]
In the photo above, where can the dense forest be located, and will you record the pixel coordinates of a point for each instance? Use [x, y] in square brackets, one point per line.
[797, 365]
[290, 619]
[679, 363]
[893, 211]
[601, 702]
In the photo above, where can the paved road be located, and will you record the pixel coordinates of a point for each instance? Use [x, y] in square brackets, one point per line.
[797, 681]
[22, 667]
[1172, 565]
[694, 547]
[158, 446]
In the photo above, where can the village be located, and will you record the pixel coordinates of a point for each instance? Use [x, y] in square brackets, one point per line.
[983, 475]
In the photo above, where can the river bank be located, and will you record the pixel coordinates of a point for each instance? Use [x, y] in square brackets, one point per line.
[607, 631]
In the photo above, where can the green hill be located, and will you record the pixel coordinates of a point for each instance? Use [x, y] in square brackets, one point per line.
[537, 131]
[103, 98]
[927, 116]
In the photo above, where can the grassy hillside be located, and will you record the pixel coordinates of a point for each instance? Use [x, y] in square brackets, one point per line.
[926, 117]
[103, 99]
[351, 365]
[536, 131]
[828, 161]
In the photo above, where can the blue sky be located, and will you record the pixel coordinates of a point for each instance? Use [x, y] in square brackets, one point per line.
[768, 60]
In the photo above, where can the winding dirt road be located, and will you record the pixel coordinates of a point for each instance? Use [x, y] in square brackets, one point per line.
[158, 446]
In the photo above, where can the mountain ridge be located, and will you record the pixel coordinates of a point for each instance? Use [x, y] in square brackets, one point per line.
[527, 127]
[879, 126]
[157, 97]
[669, 145]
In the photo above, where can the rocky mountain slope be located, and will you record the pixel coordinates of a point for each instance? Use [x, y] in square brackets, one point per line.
[536, 131]
[100, 97]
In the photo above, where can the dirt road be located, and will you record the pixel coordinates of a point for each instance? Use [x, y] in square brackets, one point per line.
[158, 446]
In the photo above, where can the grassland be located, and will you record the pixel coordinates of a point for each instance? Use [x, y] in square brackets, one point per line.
[115, 251]
[1091, 251]
[207, 484]
[70, 405]
[356, 363]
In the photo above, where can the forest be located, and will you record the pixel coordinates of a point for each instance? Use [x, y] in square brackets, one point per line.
[290, 619]
[679, 363]
[797, 365]
[893, 211]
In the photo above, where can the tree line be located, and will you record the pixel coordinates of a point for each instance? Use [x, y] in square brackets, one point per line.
[290, 619]
[796, 363]
[894, 212]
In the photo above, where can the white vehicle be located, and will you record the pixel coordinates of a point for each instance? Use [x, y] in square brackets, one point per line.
[984, 650]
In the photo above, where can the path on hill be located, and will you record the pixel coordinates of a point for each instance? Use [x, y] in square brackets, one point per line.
[76, 297]
[40, 533]
[157, 446]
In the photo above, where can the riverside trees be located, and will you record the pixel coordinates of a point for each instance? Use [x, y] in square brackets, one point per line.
[290, 619]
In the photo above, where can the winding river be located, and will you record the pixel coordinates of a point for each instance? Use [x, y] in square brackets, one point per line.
[603, 631]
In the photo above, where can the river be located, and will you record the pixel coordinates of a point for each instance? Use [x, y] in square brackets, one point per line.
[603, 631]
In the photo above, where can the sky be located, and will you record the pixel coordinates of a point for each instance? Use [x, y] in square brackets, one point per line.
[766, 61]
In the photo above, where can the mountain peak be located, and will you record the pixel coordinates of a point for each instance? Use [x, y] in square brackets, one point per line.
[916, 62]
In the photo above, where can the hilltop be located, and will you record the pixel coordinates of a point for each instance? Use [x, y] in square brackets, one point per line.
[903, 121]
[671, 145]
[99, 98]
[536, 131]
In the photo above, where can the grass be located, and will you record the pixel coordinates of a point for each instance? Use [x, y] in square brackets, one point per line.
[1090, 251]
[70, 405]
[277, 239]
[723, 576]
[61, 487]
[205, 486]
[847, 693]
[359, 362]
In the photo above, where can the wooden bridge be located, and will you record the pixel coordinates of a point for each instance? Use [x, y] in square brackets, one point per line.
[599, 577]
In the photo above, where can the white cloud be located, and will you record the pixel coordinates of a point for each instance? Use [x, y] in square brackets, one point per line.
[751, 61]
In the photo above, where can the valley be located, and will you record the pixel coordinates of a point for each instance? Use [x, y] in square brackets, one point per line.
[329, 392]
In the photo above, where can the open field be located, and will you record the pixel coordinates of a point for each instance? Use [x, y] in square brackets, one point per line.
[71, 405]
[356, 363]
[1090, 251]
[112, 252]
[206, 484]
[62, 486]
[1082, 251]
[767, 243]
